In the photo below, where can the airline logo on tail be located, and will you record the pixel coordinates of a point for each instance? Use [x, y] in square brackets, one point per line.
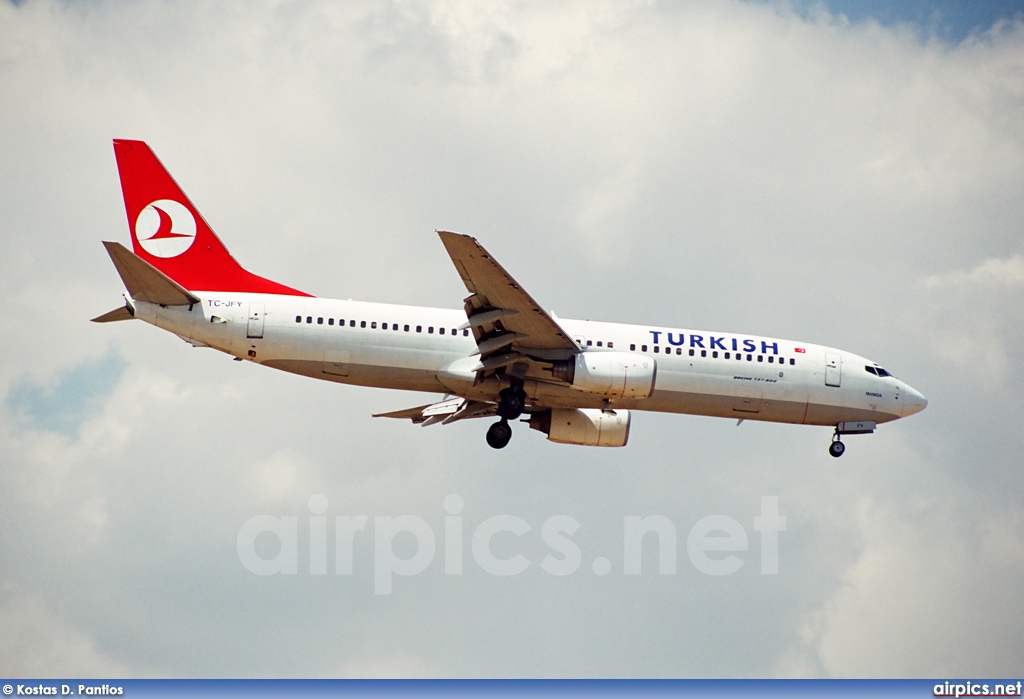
[169, 233]
[165, 228]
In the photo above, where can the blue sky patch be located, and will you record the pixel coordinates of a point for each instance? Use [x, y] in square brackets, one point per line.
[950, 20]
[63, 406]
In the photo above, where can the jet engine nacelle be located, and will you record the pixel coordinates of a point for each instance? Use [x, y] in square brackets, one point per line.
[586, 427]
[611, 374]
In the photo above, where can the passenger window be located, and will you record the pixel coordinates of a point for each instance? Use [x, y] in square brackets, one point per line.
[351, 324]
[750, 357]
[430, 330]
[590, 343]
[771, 359]
[298, 319]
[362, 324]
[419, 328]
[440, 331]
[792, 361]
[599, 343]
[632, 348]
[373, 325]
[330, 321]
[679, 350]
[703, 353]
[465, 333]
[406, 328]
[714, 355]
[760, 358]
[656, 349]
[643, 348]
[341, 322]
[728, 356]
[610, 345]
[691, 352]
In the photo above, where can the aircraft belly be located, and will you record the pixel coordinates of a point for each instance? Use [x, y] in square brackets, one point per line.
[390, 357]
[772, 409]
[401, 378]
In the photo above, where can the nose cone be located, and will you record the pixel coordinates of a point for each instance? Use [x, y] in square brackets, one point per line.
[913, 401]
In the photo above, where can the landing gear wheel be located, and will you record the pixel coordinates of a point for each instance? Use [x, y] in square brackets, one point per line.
[499, 434]
[836, 448]
[511, 403]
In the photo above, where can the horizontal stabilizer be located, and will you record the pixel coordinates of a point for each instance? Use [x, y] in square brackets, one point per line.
[145, 282]
[122, 313]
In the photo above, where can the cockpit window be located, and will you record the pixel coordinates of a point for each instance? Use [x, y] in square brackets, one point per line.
[882, 372]
[871, 370]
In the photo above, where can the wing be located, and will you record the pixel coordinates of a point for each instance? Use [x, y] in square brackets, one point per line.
[446, 411]
[507, 323]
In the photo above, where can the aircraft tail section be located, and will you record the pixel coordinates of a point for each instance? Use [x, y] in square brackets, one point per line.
[169, 234]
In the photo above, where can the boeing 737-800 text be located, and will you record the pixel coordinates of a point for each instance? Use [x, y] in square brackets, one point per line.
[501, 356]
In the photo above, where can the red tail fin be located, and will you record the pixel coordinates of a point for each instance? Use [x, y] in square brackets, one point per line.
[168, 232]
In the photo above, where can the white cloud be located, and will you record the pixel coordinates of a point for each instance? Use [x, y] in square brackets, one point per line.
[38, 643]
[919, 601]
[994, 273]
[386, 667]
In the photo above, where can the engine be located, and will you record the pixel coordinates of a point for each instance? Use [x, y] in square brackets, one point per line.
[611, 374]
[587, 427]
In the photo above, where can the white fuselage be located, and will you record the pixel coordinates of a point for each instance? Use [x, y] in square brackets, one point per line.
[423, 349]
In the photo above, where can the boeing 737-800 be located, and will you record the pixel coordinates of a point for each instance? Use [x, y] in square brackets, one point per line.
[502, 356]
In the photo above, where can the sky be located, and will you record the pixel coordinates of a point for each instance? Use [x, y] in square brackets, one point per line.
[839, 173]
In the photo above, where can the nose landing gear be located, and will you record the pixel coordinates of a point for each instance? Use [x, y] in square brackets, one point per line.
[836, 448]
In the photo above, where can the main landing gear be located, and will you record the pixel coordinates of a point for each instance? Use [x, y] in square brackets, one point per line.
[511, 402]
[499, 434]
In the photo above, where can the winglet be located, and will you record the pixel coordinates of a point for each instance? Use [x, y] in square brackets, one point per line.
[145, 282]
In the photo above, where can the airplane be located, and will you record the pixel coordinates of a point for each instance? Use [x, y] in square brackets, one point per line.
[502, 356]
